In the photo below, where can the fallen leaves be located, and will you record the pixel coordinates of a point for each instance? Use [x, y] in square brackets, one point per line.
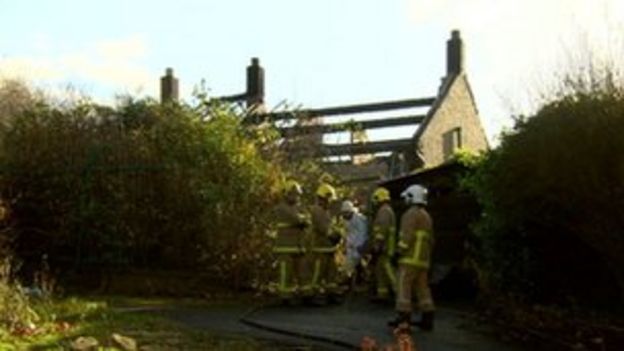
[403, 342]
[84, 343]
[124, 342]
[89, 343]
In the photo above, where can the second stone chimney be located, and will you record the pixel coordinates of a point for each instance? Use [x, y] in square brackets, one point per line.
[454, 54]
[169, 87]
[255, 84]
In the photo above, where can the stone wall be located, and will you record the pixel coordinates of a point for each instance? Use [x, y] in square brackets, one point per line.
[455, 112]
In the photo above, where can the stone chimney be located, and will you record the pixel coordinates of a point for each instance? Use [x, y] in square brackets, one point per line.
[255, 84]
[454, 54]
[168, 86]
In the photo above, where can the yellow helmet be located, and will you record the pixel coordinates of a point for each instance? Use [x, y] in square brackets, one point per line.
[326, 191]
[381, 194]
[292, 185]
[326, 178]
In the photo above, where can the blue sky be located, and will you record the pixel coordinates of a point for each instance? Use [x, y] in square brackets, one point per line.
[315, 53]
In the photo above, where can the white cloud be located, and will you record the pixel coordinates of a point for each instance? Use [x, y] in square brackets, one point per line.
[516, 47]
[33, 68]
[115, 64]
[130, 48]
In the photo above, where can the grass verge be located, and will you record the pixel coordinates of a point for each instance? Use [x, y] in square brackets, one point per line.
[62, 322]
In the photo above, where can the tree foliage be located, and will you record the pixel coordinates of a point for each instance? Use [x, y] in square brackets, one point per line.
[553, 194]
[139, 185]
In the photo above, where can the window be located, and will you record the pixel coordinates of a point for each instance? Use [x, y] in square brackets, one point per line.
[451, 141]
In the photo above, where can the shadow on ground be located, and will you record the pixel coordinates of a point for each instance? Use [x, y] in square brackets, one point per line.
[339, 327]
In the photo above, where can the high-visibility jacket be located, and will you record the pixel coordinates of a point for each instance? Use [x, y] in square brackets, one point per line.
[290, 223]
[384, 229]
[416, 238]
[322, 230]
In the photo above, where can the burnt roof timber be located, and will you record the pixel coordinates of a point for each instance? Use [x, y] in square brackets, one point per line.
[339, 127]
[340, 163]
[349, 109]
[231, 98]
[370, 147]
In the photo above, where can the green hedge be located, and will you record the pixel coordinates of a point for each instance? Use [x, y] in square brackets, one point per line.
[553, 199]
[138, 185]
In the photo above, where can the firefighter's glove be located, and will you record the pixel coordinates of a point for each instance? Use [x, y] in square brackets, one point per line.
[377, 248]
[334, 238]
[394, 260]
[272, 234]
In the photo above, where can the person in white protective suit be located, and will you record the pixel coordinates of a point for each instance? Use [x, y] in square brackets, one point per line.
[355, 237]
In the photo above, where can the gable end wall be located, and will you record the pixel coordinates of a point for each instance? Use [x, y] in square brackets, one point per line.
[456, 110]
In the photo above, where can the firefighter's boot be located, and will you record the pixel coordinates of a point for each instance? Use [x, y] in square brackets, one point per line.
[426, 321]
[402, 318]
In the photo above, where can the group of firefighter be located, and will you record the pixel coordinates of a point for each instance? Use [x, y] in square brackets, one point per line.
[307, 244]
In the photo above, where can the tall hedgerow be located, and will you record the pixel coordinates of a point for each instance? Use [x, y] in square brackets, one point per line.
[553, 193]
[141, 184]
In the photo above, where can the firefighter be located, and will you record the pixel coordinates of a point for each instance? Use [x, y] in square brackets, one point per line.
[288, 249]
[384, 244]
[355, 239]
[414, 249]
[324, 244]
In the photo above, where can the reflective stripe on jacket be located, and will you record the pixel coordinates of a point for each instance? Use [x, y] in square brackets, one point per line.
[288, 250]
[419, 254]
[289, 224]
[322, 229]
[416, 238]
[384, 229]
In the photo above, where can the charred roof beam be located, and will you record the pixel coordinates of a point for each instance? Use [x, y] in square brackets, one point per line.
[346, 110]
[372, 147]
[351, 125]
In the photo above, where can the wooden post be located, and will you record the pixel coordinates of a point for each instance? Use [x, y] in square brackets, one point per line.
[255, 84]
[454, 54]
[168, 87]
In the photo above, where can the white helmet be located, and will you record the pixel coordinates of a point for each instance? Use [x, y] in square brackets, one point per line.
[415, 194]
[347, 206]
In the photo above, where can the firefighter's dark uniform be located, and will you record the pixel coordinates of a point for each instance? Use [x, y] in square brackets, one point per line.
[288, 248]
[415, 247]
[323, 249]
[384, 235]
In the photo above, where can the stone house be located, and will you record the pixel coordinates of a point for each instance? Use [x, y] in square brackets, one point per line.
[451, 121]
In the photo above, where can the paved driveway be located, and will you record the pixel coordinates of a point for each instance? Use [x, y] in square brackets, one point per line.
[337, 327]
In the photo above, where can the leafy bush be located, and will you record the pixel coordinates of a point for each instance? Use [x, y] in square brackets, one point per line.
[15, 308]
[138, 185]
[553, 194]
